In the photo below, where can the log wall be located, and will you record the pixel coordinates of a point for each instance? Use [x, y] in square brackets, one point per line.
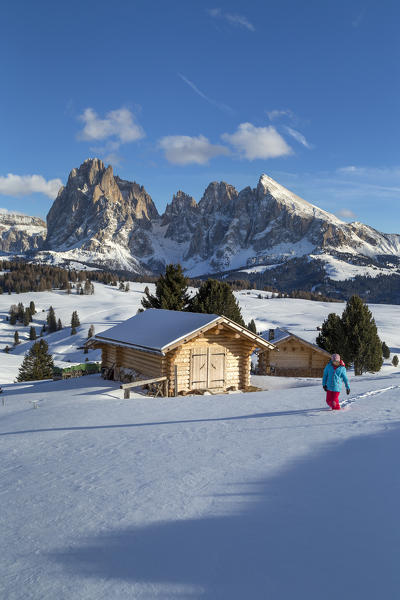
[142, 362]
[294, 359]
[237, 359]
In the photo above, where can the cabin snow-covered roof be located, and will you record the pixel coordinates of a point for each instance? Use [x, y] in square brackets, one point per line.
[156, 330]
[281, 334]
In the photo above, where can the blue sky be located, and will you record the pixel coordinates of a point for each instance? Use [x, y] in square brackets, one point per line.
[178, 94]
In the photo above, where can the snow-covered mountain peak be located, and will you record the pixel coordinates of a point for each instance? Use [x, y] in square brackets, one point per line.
[294, 203]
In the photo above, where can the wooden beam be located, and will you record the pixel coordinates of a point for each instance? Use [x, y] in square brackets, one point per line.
[140, 382]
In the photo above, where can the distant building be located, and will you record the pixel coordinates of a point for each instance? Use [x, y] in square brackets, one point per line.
[195, 351]
[292, 356]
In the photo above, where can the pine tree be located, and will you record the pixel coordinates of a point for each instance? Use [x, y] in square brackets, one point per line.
[51, 320]
[332, 336]
[32, 307]
[13, 314]
[395, 360]
[21, 310]
[88, 288]
[37, 364]
[75, 322]
[385, 350]
[252, 326]
[32, 333]
[27, 316]
[216, 297]
[59, 325]
[171, 291]
[16, 338]
[91, 331]
[362, 344]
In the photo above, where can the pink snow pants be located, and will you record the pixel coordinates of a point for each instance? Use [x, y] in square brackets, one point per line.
[332, 400]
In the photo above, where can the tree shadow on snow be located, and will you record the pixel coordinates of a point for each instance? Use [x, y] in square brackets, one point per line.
[325, 528]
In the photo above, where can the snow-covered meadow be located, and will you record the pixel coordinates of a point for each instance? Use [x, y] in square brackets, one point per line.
[260, 495]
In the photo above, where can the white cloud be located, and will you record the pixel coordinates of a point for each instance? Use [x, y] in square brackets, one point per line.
[257, 142]
[299, 137]
[184, 149]
[21, 185]
[194, 87]
[232, 18]
[278, 114]
[119, 124]
[346, 213]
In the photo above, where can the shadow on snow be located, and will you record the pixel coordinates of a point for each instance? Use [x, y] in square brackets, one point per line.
[326, 527]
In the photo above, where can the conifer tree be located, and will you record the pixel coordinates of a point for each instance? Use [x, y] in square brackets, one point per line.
[362, 344]
[252, 326]
[171, 291]
[37, 364]
[32, 333]
[216, 297]
[16, 338]
[385, 350]
[395, 360]
[27, 316]
[75, 322]
[332, 336]
[88, 288]
[32, 307]
[21, 310]
[51, 320]
[59, 325]
[13, 318]
[91, 331]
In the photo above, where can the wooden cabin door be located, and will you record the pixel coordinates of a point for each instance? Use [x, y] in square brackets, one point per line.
[207, 368]
[216, 368]
[199, 369]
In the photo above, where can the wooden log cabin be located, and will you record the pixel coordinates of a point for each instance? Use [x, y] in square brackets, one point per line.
[195, 351]
[292, 356]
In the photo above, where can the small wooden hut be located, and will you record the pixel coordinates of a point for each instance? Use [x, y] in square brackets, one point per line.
[194, 351]
[292, 356]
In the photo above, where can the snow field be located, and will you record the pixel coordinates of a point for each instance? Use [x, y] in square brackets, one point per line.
[229, 497]
[261, 495]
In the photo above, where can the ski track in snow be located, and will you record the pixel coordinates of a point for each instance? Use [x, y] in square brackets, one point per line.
[346, 403]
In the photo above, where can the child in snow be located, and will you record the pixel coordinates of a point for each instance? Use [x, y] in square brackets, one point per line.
[334, 376]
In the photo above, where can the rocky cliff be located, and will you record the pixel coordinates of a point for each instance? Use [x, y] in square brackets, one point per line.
[20, 233]
[99, 218]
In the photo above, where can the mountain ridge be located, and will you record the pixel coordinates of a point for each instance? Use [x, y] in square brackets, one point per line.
[99, 218]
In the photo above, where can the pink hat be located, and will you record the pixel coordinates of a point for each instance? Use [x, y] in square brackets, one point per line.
[335, 357]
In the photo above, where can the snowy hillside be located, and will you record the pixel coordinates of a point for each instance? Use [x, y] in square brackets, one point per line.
[259, 495]
[109, 306]
[263, 495]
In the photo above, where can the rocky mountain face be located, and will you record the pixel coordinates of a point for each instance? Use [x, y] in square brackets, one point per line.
[104, 217]
[101, 219]
[20, 233]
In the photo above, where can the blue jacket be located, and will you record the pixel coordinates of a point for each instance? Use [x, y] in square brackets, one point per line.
[333, 378]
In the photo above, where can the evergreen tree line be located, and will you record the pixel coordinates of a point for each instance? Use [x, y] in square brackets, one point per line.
[20, 314]
[354, 336]
[212, 297]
